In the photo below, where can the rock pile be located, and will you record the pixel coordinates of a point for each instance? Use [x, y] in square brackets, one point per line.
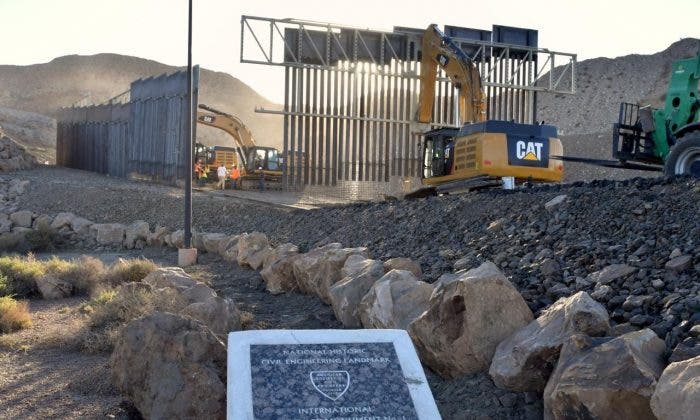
[569, 287]
[13, 156]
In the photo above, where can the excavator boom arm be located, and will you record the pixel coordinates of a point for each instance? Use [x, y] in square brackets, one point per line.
[227, 123]
[440, 51]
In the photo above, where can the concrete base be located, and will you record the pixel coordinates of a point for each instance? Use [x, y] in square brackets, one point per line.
[186, 257]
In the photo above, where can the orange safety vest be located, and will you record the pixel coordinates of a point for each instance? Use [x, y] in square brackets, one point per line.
[235, 173]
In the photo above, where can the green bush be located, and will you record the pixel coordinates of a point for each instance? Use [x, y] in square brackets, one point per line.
[133, 270]
[21, 273]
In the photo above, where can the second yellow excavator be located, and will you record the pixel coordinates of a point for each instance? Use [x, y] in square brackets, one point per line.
[252, 160]
[482, 151]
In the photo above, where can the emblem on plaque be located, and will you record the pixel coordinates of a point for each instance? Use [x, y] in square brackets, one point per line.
[331, 384]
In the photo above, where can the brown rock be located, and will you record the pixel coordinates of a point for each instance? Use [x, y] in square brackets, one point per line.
[394, 301]
[406, 264]
[359, 274]
[316, 273]
[51, 287]
[606, 378]
[169, 277]
[677, 393]
[171, 367]
[252, 249]
[466, 319]
[278, 270]
[524, 361]
[219, 314]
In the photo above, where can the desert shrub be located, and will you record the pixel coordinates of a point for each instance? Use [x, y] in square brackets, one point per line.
[56, 266]
[21, 273]
[132, 270]
[87, 274]
[10, 242]
[41, 238]
[14, 315]
[247, 320]
[5, 286]
[111, 310]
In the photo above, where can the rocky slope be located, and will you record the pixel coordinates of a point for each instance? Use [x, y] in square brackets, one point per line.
[44, 88]
[602, 83]
[13, 156]
[36, 132]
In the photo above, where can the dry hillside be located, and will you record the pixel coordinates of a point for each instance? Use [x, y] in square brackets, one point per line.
[602, 83]
[584, 119]
[43, 88]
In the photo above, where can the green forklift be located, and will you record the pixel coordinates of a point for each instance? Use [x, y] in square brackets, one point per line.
[666, 139]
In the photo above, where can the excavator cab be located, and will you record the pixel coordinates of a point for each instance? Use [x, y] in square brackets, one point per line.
[438, 153]
[267, 158]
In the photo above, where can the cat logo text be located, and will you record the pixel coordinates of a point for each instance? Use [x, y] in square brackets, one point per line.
[529, 150]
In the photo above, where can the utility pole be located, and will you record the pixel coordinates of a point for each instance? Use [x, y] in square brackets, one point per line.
[188, 255]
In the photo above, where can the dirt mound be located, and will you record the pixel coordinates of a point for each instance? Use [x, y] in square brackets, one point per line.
[13, 156]
[602, 83]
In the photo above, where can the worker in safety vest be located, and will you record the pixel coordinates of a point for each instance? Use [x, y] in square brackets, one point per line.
[199, 171]
[235, 176]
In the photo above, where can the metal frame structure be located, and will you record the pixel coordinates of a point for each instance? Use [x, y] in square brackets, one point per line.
[351, 93]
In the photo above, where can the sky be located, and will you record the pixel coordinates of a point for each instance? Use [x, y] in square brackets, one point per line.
[36, 31]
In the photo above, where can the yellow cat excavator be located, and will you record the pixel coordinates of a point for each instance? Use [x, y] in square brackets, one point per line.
[482, 151]
[248, 156]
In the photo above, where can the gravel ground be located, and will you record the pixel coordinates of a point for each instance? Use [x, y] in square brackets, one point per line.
[547, 254]
[41, 378]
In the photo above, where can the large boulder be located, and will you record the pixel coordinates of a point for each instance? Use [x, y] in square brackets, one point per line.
[157, 237]
[51, 287]
[252, 249]
[212, 241]
[177, 239]
[307, 264]
[677, 393]
[278, 271]
[606, 378]
[62, 220]
[171, 367]
[109, 233]
[394, 301]
[358, 276]
[405, 264]
[80, 225]
[524, 361]
[467, 317]
[219, 314]
[228, 249]
[135, 231]
[324, 271]
[174, 277]
[22, 218]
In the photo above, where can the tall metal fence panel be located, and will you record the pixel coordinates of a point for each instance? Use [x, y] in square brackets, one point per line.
[140, 133]
[351, 96]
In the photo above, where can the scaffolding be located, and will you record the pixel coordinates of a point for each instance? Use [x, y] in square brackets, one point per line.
[351, 96]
